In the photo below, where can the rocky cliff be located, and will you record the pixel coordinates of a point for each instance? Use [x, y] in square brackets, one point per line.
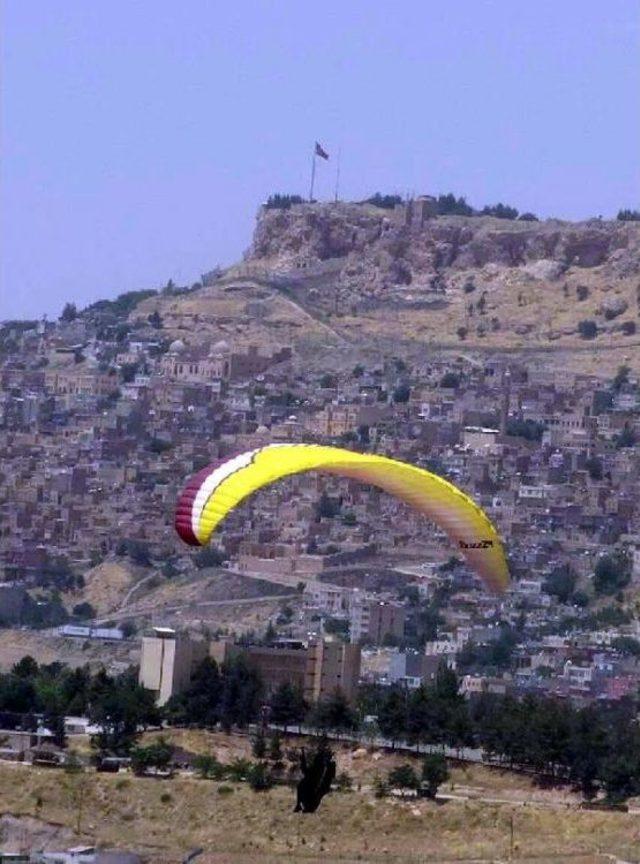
[358, 275]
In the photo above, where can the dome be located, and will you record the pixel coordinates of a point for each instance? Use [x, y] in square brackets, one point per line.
[220, 347]
[176, 346]
[262, 430]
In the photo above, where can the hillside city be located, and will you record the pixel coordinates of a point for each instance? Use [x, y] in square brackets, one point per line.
[104, 417]
[321, 601]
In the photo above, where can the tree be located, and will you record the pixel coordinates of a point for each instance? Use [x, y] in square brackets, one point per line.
[561, 583]
[334, 713]
[612, 572]
[209, 768]
[119, 706]
[594, 467]
[69, 313]
[328, 381]
[259, 744]
[628, 216]
[404, 778]
[621, 377]
[275, 748]
[434, 773]
[401, 394]
[84, 610]
[287, 705]
[77, 786]
[450, 205]
[282, 202]
[500, 211]
[157, 756]
[327, 507]
[450, 380]
[128, 372]
[385, 202]
[25, 668]
[626, 438]
[208, 556]
[392, 714]
[155, 319]
[588, 329]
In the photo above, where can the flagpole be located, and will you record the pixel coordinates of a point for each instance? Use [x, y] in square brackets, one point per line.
[338, 174]
[313, 173]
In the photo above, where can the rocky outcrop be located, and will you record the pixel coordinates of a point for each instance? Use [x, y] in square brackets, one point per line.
[377, 256]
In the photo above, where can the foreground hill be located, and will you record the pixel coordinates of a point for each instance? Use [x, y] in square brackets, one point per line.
[362, 278]
[166, 818]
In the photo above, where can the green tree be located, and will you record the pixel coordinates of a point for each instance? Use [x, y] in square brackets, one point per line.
[588, 329]
[561, 583]
[287, 705]
[259, 744]
[404, 778]
[157, 755]
[434, 773]
[69, 313]
[334, 713]
[612, 572]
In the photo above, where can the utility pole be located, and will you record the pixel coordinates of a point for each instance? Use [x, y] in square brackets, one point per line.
[338, 174]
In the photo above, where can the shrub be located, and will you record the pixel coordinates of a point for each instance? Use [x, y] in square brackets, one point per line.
[225, 790]
[380, 787]
[582, 292]
[628, 328]
[588, 329]
[344, 783]
[469, 286]
[259, 777]
[528, 217]
[462, 333]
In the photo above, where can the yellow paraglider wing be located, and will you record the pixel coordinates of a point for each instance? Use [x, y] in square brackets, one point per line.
[214, 492]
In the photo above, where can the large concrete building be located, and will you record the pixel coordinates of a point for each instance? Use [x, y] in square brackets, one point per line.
[372, 621]
[168, 661]
[318, 669]
[331, 666]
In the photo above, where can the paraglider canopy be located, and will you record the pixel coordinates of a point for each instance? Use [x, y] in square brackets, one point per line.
[215, 491]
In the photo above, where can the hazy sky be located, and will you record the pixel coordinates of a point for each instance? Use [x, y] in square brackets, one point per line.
[139, 136]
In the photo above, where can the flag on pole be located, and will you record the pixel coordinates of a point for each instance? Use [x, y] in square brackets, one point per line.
[321, 152]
